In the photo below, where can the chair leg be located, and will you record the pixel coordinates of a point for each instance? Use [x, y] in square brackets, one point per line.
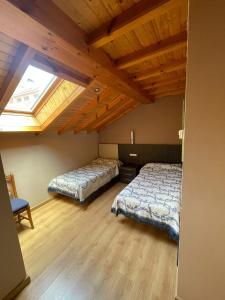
[30, 217]
[19, 218]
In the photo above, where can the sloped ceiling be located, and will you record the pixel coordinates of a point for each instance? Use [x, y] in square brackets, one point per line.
[122, 53]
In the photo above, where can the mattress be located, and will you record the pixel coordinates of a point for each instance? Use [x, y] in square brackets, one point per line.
[153, 197]
[81, 183]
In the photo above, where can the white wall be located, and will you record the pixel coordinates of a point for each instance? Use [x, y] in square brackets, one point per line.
[156, 123]
[201, 272]
[12, 271]
[35, 160]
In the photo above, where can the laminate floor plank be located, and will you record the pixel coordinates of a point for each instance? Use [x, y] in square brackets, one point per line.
[85, 252]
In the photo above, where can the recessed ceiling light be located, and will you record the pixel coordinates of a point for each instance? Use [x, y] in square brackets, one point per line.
[97, 90]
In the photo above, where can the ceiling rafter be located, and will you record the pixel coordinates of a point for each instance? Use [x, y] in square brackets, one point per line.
[169, 90]
[41, 33]
[18, 67]
[108, 111]
[93, 114]
[167, 68]
[114, 119]
[113, 114]
[170, 44]
[81, 112]
[58, 70]
[136, 16]
[165, 81]
[89, 109]
[170, 93]
[167, 87]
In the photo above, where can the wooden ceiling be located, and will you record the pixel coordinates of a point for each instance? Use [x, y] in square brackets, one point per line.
[122, 53]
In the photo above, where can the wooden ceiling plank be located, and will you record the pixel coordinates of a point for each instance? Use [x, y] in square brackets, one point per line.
[58, 70]
[162, 47]
[106, 98]
[54, 115]
[15, 73]
[93, 114]
[106, 113]
[72, 53]
[170, 67]
[167, 87]
[75, 118]
[115, 116]
[114, 119]
[47, 95]
[164, 82]
[112, 113]
[171, 93]
[136, 16]
[167, 91]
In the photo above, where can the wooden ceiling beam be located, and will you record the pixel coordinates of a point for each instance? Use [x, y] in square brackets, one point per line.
[170, 93]
[88, 109]
[93, 114]
[171, 67]
[60, 71]
[167, 87]
[136, 16]
[107, 112]
[114, 119]
[163, 82]
[160, 48]
[18, 67]
[114, 115]
[50, 36]
[168, 90]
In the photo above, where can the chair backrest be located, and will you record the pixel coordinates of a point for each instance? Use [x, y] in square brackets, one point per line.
[11, 186]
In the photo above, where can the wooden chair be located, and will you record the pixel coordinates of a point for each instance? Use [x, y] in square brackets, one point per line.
[19, 206]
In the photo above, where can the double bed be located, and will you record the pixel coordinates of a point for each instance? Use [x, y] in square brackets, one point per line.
[153, 197]
[81, 183]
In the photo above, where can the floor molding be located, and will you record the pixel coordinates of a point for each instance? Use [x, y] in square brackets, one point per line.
[11, 295]
[42, 204]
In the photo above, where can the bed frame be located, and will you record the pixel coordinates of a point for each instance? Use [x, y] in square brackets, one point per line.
[141, 154]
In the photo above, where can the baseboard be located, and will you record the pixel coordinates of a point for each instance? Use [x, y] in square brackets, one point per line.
[11, 295]
[177, 298]
[42, 204]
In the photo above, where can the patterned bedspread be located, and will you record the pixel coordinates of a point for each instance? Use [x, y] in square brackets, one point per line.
[81, 183]
[153, 197]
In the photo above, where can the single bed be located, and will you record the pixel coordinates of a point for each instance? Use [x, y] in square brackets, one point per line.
[81, 183]
[153, 197]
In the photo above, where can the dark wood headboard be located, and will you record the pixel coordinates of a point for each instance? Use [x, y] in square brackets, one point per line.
[149, 153]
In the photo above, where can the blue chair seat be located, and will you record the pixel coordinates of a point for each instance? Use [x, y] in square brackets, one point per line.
[18, 204]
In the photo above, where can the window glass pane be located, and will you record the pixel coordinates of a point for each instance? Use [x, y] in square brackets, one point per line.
[32, 86]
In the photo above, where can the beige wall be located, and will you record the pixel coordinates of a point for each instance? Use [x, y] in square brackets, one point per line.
[201, 274]
[35, 160]
[156, 123]
[12, 270]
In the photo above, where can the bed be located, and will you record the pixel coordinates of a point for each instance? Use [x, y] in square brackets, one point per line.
[81, 183]
[153, 197]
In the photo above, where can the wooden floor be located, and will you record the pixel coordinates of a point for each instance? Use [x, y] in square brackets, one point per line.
[78, 252]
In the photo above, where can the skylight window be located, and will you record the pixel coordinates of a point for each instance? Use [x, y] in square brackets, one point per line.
[31, 88]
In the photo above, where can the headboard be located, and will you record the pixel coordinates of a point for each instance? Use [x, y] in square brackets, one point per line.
[145, 153]
[108, 151]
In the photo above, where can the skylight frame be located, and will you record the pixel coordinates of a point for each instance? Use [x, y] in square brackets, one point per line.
[41, 96]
